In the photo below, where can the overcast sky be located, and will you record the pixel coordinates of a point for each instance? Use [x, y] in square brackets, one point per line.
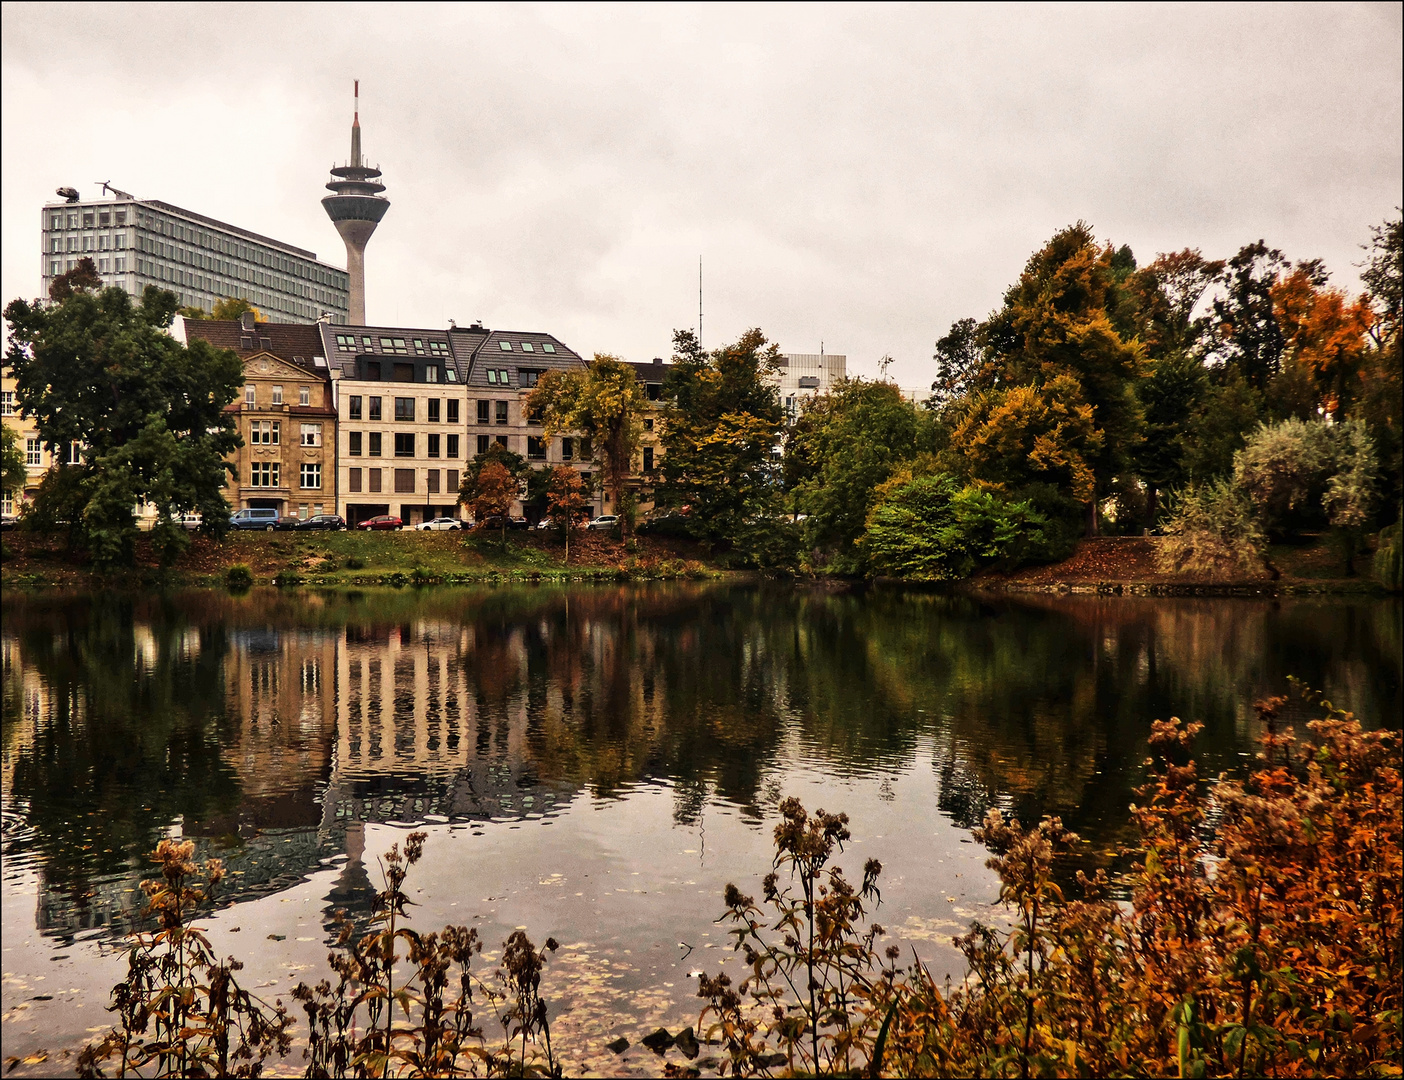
[860, 176]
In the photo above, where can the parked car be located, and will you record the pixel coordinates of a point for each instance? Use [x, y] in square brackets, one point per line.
[381, 522]
[331, 522]
[494, 521]
[667, 523]
[8, 521]
[253, 519]
[440, 524]
[604, 522]
[543, 524]
[287, 522]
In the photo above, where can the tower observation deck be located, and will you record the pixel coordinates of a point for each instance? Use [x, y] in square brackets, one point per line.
[356, 209]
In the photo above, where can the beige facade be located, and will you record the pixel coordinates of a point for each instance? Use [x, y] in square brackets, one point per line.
[288, 460]
[36, 459]
[401, 448]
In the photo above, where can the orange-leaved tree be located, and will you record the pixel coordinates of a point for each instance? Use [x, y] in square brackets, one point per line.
[566, 501]
[493, 494]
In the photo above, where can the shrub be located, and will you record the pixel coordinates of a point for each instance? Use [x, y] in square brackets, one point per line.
[1283, 470]
[354, 563]
[1210, 528]
[238, 576]
[931, 529]
[1389, 556]
[179, 1005]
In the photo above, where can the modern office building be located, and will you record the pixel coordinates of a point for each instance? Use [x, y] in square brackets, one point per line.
[139, 242]
[805, 375]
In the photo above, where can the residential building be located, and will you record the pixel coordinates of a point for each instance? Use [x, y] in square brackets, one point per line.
[806, 375]
[286, 415]
[139, 242]
[647, 466]
[431, 400]
[36, 458]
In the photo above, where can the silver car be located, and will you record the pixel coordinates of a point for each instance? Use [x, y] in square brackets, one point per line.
[440, 524]
[604, 522]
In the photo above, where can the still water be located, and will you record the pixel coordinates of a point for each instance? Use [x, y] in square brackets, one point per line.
[592, 763]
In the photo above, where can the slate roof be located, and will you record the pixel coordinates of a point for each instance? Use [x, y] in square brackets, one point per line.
[345, 359]
[526, 352]
[655, 372]
[297, 343]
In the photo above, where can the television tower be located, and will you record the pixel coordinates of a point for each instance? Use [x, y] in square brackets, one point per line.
[355, 210]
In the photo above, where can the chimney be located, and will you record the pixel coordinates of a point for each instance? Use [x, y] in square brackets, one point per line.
[246, 322]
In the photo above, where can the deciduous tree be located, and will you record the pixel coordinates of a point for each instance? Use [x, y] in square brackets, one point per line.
[148, 412]
[566, 502]
[604, 403]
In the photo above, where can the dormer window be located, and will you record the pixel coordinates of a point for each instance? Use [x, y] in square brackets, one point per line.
[346, 342]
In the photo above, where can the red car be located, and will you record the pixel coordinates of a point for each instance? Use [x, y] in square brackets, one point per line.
[384, 521]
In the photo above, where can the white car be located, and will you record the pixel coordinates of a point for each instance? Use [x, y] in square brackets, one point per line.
[439, 524]
[604, 521]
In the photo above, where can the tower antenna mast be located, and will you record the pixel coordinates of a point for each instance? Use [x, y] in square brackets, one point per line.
[699, 302]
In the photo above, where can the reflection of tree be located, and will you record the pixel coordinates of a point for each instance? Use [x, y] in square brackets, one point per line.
[126, 729]
[229, 711]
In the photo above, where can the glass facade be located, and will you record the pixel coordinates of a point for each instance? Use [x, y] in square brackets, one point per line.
[135, 243]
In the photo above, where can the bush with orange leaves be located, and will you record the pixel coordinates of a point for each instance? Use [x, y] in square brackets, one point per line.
[1262, 937]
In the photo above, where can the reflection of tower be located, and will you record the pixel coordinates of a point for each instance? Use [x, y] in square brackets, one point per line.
[355, 210]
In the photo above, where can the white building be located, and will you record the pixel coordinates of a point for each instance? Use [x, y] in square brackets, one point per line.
[806, 375]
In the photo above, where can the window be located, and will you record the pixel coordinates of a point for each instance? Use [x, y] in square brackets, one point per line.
[452, 375]
[7, 503]
[403, 373]
[501, 407]
[404, 481]
[567, 449]
[375, 408]
[584, 448]
[33, 450]
[263, 433]
[433, 405]
[438, 348]
[648, 459]
[304, 395]
[404, 444]
[451, 480]
[433, 449]
[355, 480]
[87, 219]
[431, 374]
[452, 416]
[648, 424]
[505, 346]
[311, 434]
[250, 398]
[277, 395]
[536, 448]
[393, 345]
[484, 411]
[484, 441]
[452, 449]
[547, 347]
[353, 444]
[312, 474]
[533, 416]
[346, 342]
[370, 370]
[526, 346]
[375, 479]
[7, 403]
[527, 377]
[502, 441]
[431, 482]
[375, 444]
[119, 264]
[492, 376]
[355, 406]
[263, 474]
[419, 346]
[404, 408]
[655, 390]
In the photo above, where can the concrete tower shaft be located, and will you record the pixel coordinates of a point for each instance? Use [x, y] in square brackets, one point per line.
[356, 209]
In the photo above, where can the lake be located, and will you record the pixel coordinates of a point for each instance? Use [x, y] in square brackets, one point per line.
[591, 763]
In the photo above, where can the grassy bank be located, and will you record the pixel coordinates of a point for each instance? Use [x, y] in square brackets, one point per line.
[359, 558]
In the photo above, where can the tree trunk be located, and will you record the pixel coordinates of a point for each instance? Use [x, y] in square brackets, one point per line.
[1092, 515]
[1152, 505]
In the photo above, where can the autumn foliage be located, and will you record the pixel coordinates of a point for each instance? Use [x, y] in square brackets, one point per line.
[1262, 937]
